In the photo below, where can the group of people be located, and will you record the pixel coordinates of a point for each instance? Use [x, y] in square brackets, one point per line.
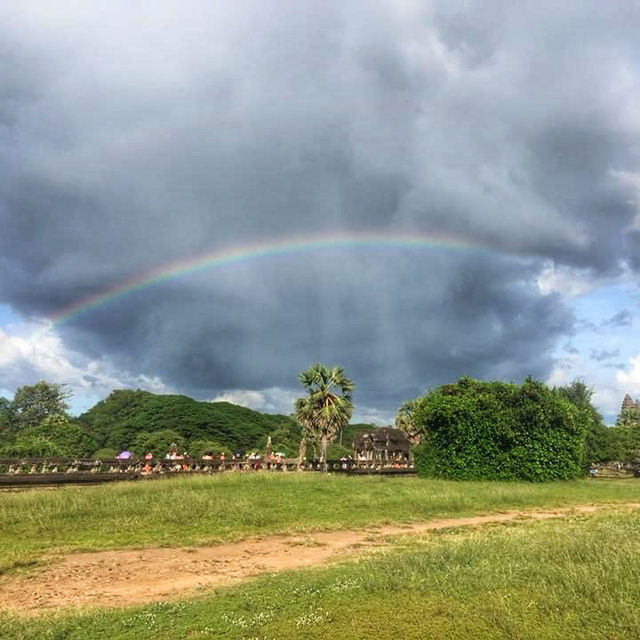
[254, 461]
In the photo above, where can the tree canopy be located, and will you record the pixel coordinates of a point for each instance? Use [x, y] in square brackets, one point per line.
[118, 420]
[496, 430]
[35, 423]
[32, 404]
[600, 440]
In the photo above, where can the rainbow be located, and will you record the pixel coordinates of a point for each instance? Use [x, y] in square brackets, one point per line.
[252, 251]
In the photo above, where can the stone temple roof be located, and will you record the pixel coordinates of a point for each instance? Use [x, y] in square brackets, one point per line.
[382, 438]
[629, 403]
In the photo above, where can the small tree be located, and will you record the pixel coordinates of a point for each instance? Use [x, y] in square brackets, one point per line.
[7, 420]
[70, 438]
[405, 421]
[32, 404]
[33, 446]
[629, 418]
[598, 437]
[303, 414]
[326, 408]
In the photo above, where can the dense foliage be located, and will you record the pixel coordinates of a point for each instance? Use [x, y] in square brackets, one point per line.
[36, 424]
[624, 439]
[32, 404]
[137, 419]
[495, 430]
[600, 444]
[620, 443]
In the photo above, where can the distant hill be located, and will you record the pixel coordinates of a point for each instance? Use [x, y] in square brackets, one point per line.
[351, 431]
[117, 420]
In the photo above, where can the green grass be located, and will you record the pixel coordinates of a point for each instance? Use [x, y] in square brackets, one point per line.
[575, 577]
[209, 509]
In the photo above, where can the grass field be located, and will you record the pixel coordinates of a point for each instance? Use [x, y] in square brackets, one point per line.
[578, 576]
[209, 509]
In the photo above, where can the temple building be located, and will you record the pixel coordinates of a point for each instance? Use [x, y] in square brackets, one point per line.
[629, 403]
[383, 445]
[629, 412]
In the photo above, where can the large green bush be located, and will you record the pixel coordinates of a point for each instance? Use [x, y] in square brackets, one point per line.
[33, 446]
[495, 430]
[56, 436]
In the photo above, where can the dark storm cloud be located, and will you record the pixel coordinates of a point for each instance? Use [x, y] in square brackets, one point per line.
[131, 136]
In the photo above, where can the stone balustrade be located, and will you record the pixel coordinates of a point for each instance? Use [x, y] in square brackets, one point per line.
[96, 470]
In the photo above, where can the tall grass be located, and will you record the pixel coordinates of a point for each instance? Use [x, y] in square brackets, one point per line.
[576, 577]
[209, 509]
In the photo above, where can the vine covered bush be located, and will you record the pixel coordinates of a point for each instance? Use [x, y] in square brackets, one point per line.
[494, 430]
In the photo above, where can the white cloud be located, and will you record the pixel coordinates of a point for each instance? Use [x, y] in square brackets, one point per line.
[561, 375]
[271, 400]
[244, 397]
[571, 282]
[629, 380]
[608, 390]
[567, 281]
[608, 399]
[279, 400]
[369, 415]
[29, 353]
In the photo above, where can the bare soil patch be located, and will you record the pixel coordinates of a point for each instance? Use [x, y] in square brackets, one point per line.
[126, 577]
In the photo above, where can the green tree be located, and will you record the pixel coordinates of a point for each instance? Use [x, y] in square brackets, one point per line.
[304, 416]
[56, 435]
[624, 438]
[7, 419]
[599, 438]
[157, 442]
[105, 453]
[494, 430]
[629, 417]
[405, 421]
[117, 420]
[33, 446]
[327, 406]
[32, 404]
[71, 438]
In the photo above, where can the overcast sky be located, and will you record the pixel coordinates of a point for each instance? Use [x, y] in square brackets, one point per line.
[134, 135]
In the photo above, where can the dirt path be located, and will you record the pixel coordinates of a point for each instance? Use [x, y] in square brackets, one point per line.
[126, 577]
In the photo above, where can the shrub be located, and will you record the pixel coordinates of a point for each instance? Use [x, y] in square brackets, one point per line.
[336, 451]
[56, 436]
[495, 430]
[33, 446]
[105, 454]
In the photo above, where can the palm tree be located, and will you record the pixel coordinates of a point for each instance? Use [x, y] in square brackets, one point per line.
[405, 421]
[326, 408]
[304, 417]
